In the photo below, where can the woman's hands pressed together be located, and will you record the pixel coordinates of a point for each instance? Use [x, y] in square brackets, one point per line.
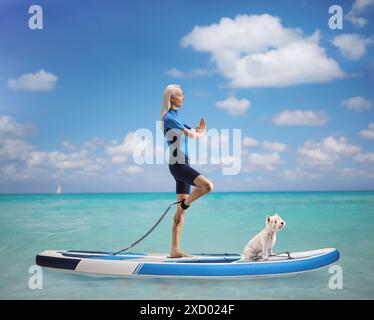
[199, 131]
[202, 126]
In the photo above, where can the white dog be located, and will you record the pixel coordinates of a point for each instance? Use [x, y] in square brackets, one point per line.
[261, 245]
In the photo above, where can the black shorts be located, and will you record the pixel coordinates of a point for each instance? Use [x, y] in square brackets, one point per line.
[184, 176]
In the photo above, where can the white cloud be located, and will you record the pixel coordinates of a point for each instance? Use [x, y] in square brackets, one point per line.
[38, 81]
[16, 172]
[298, 173]
[69, 146]
[300, 118]
[20, 160]
[369, 132]
[275, 146]
[249, 142]
[357, 103]
[75, 160]
[258, 51]
[14, 149]
[175, 73]
[293, 175]
[134, 169]
[93, 144]
[58, 160]
[96, 165]
[359, 8]
[327, 152]
[119, 158]
[234, 106]
[10, 128]
[357, 20]
[339, 145]
[315, 155]
[348, 171]
[121, 152]
[266, 161]
[84, 160]
[84, 163]
[31, 162]
[355, 172]
[365, 157]
[197, 72]
[352, 46]
[10, 169]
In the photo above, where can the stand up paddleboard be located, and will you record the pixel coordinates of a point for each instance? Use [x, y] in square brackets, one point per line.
[199, 266]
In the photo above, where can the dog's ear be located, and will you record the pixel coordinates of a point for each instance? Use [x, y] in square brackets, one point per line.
[267, 219]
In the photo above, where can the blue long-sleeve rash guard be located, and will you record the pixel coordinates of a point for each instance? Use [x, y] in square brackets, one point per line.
[173, 121]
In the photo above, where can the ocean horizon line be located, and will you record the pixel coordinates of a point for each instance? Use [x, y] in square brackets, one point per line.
[158, 192]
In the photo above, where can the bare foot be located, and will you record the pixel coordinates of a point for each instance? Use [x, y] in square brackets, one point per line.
[178, 254]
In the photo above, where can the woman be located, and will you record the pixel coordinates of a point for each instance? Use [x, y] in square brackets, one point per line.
[177, 134]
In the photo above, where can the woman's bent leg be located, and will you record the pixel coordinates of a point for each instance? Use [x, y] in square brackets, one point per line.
[203, 186]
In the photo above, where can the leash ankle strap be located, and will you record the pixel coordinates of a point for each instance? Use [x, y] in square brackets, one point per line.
[183, 205]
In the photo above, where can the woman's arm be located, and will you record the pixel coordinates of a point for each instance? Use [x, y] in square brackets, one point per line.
[193, 133]
[198, 132]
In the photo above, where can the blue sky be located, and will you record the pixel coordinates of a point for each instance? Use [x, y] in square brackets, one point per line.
[72, 92]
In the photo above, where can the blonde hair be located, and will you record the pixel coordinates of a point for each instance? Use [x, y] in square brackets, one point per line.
[169, 92]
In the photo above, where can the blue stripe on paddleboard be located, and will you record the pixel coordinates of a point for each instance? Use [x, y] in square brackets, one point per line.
[239, 269]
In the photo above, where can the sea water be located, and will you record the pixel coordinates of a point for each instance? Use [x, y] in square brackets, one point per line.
[216, 223]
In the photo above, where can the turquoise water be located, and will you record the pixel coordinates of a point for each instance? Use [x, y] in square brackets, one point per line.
[220, 222]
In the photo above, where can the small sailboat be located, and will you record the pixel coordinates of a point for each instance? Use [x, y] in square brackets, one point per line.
[58, 191]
